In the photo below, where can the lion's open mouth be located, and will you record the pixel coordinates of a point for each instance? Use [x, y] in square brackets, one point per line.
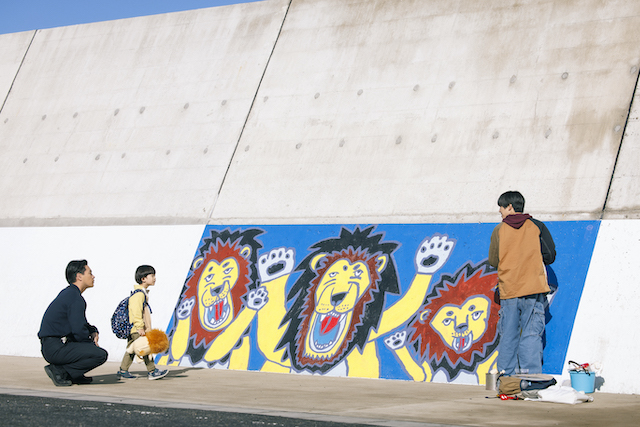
[462, 342]
[216, 314]
[326, 331]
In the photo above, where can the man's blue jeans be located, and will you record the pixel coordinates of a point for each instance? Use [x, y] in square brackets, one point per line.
[521, 326]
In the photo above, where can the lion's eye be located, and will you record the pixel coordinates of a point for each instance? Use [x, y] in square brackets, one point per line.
[209, 277]
[333, 274]
[476, 315]
[228, 270]
[357, 273]
[447, 322]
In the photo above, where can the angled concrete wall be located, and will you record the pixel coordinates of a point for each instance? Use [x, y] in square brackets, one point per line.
[309, 112]
[425, 111]
[364, 111]
[12, 50]
[133, 120]
[624, 197]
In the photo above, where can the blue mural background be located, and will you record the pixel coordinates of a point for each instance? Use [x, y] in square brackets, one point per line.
[574, 245]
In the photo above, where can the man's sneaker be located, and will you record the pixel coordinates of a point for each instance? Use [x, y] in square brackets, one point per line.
[126, 375]
[156, 374]
[60, 380]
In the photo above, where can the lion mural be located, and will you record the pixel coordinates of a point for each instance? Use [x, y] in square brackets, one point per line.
[218, 302]
[338, 301]
[455, 330]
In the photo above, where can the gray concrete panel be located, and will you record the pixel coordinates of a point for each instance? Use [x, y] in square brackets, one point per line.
[414, 111]
[133, 120]
[13, 47]
[624, 197]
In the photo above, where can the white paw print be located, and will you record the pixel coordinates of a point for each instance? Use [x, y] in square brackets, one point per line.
[276, 263]
[185, 307]
[433, 253]
[396, 341]
[257, 298]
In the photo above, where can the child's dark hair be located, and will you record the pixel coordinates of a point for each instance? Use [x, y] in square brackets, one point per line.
[143, 271]
[513, 198]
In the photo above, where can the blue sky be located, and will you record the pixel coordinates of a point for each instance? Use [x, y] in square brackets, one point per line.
[26, 15]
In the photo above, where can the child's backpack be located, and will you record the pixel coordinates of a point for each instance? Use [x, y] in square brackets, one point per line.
[120, 324]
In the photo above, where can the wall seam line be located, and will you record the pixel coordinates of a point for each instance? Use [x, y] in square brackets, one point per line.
[26, 52]
[624, 130]
[246, 120]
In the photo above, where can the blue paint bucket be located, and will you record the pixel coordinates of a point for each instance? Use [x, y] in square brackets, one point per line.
[583, 381]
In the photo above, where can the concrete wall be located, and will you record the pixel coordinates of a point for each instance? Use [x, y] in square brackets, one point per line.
[312, 112]
[422, 110]
[13, 47]
[203, 114]
[624, 196]
[131, 121]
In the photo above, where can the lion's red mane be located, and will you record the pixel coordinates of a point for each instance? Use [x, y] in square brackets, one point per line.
[218, 252]
[431, 347]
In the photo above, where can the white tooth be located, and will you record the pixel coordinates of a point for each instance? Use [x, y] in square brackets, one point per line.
[343, 320]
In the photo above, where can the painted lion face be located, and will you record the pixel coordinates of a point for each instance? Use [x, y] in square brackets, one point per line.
[222, 273]
[456, 327]
[214, 292]
[338, 299]
[460, 326]
[339, 290]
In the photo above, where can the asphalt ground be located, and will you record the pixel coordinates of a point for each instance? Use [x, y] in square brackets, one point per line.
[28, 411]
[259, 398]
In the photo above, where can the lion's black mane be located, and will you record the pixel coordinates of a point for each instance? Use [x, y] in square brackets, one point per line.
[357, 240]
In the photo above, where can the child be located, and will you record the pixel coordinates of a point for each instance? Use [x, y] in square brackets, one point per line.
[140, 317]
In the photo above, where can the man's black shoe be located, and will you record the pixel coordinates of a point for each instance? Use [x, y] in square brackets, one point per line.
[82, 380]
[57, 379]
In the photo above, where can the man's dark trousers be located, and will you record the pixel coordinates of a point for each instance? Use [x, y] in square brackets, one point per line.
[76, 358]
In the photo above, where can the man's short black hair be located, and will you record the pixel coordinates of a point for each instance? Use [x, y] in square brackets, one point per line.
[513, 198]
[74, 268]
[143, 271]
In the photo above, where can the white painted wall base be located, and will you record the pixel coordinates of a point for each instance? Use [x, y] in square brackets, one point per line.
[32, 273]
[606, 326]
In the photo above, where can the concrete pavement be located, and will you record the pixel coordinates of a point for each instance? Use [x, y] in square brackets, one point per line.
[364, 401]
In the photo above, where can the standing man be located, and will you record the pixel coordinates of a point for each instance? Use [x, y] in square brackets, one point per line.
[520, 248]
[69, 342]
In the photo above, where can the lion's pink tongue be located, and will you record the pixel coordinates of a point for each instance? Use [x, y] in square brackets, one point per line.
[328, 323]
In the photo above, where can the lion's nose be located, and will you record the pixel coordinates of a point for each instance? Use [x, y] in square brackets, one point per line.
[337, 298]
[216, 291]
[462, 327]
